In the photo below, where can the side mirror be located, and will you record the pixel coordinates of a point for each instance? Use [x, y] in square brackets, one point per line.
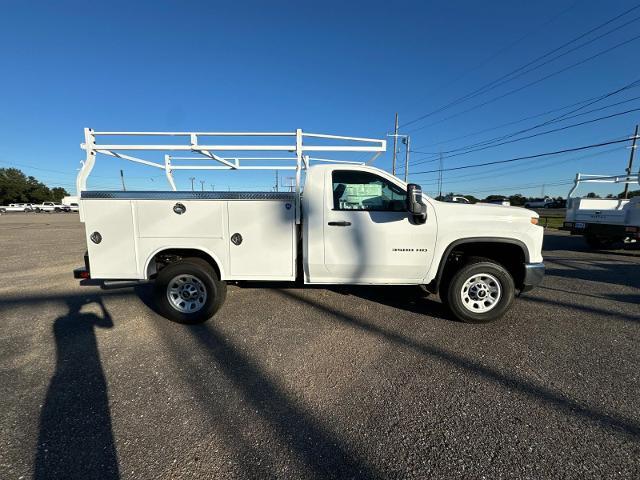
[415, 205]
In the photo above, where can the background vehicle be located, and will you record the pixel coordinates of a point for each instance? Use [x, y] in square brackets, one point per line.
[28, 207]
[603, 221]
[355, 224]
[52, 207]
[14, 207]
[545, 202]
[456, 199]
[558, 203]
[499, 201]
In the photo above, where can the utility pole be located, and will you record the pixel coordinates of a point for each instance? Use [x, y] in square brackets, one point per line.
[440, 176]
[407, 142]
[124, 188]
[631, 157]
[193, 179]
[395, 147]
[213, 187]
[202, 184]
[277, 174]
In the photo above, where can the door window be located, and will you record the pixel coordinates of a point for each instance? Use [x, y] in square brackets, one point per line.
[357, 190]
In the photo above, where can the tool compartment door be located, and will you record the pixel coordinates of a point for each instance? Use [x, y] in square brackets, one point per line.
[262, 240]
[114, 257]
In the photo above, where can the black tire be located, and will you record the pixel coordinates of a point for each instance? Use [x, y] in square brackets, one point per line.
[598, 242]
[37, 210]
[216, 290]
[452, 292]
[3, 210]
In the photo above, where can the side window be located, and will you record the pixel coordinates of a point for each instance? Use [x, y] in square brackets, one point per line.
[355, 190]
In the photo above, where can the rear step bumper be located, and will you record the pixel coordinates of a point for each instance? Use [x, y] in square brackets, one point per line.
[83, 273]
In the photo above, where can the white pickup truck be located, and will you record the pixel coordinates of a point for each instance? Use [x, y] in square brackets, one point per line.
[52, 207]
[603, 221]
[352, 224]
[15, 207]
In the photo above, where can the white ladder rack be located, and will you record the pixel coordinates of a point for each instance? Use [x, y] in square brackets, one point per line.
[585, 178]
[226, 156]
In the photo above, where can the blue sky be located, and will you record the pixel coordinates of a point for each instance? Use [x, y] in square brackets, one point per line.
[328, 67]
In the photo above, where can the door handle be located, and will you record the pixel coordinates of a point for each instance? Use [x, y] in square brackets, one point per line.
[339, 224]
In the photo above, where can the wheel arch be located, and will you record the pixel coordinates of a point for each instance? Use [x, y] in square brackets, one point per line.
[464, 244]
[209, 257]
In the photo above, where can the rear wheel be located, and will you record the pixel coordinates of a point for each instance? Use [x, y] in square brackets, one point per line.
[595, 241]
[189, 291]
[480, 291]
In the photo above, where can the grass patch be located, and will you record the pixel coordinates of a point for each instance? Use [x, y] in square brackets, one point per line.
[551, 221]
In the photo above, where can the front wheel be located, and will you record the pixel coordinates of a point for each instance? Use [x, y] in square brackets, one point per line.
[479, 292]
[189, 291]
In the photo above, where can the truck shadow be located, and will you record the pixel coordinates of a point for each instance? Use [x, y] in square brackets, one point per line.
[75, 438]
[613, 272]
[576, 243]
[408, 298]
[615, 297]
[321, 452]
[529, 388]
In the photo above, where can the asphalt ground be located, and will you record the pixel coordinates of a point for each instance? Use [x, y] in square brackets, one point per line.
[314, 383]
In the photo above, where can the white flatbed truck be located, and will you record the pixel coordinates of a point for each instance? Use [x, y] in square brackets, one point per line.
[603, 221]
[352, 224]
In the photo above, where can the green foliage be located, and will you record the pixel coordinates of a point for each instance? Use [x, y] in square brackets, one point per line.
[16, 187]
[58, 193]
[592, 195]
[517, 200]
[632, 193]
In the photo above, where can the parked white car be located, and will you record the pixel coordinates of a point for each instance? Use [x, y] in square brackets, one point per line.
[545, 202]
[13, 207]
[456, 199]
[499, 201]
[52, 207]
[355, 224]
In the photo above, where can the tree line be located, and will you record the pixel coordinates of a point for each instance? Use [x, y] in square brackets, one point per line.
[16, 187]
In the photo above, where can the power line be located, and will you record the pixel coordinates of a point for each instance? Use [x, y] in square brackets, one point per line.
[485, 87]
[616, 29]
[528, 157]
[511, 45]
[542, 164]
[530, 84]
[546, 132]
[560, 118]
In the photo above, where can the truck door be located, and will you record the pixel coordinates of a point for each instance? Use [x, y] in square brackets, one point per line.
[369, 237]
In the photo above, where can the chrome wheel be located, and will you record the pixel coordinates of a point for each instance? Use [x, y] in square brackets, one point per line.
[480, 293]
[186, 293]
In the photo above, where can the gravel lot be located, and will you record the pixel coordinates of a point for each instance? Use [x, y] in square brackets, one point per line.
[305, 383]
